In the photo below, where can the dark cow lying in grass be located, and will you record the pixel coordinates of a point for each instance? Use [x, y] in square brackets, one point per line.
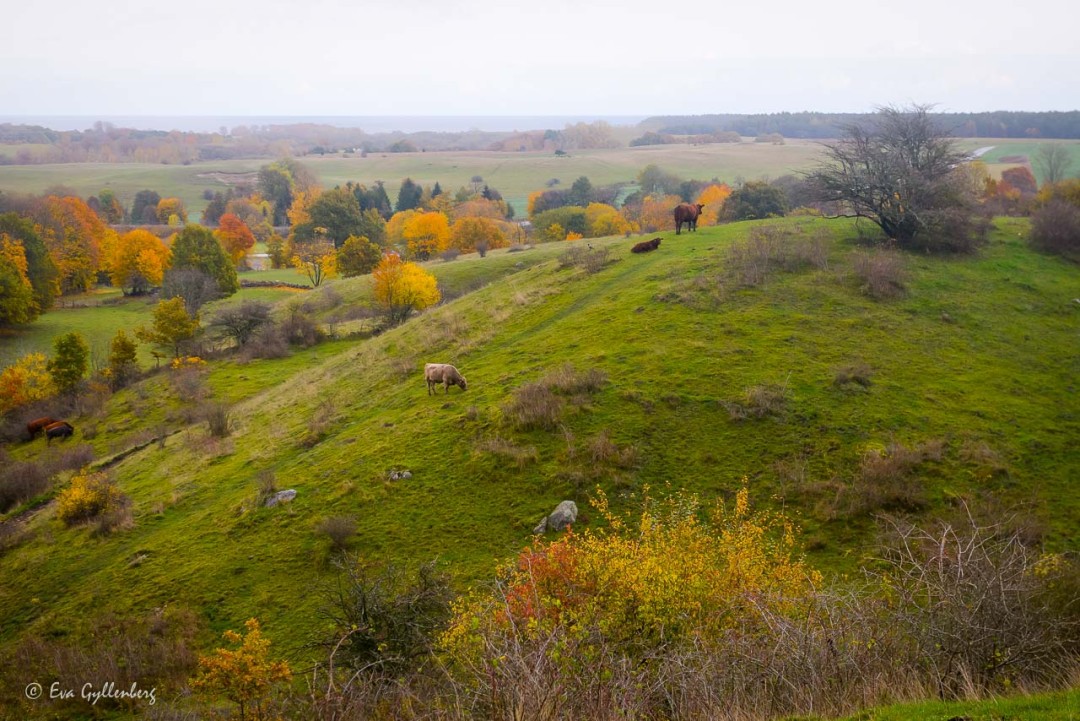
[60, 429]
[38, 425]
[646, 246]
[436, 373]
[687, 213]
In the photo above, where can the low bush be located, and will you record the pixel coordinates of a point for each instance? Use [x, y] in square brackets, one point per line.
[853, 374]
[520, 456]
[1055, 228]
[881, 274]
[339, 530]
[21, 481]
[88, 496]
[534, 406]
[885, 481]
[591, 260]
[217, 417]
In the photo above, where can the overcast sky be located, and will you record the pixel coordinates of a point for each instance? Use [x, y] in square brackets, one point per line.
[555, 57]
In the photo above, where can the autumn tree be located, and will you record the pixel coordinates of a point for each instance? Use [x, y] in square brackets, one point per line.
[1021, 179]
[357, 256]
[426, 235]
[256, 214]
[275, 248]
[136, 262]
[401, 288]
[245, 674]
[1053, 161]
[68, 366]
[144, 207]
[316, 258]
[25, 381]
[74, 235]
[109, 206]
[215, 208]
[123, 360]
[40, 268]
[171, 211]
[472, 234]
[17, 303]
[570, 218]
[900, 172]
[712, 197]
[395, 227]
[196, 247]
[235, 237]
[602, 220]
[279, 181]
[171, 326]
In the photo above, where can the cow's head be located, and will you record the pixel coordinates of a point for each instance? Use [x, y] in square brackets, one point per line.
[700, 207]
[462, 383]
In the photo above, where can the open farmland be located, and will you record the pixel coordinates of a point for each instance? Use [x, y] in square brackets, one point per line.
[515, 175]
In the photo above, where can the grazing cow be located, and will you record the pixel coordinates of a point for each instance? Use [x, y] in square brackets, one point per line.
[60, 429]
[436, 373]
[646, 245]
[687, 213]
[38, 425]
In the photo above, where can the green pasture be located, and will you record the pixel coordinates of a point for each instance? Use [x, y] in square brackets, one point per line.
[980, 352]
[1060, 706]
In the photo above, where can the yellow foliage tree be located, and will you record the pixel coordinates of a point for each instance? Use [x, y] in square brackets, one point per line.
[574, 236]
[401, 288]
[168, 207]
[137, 261]
[533, 197]
[246, 674]
[426, 235]
[317, 259]
[26, 381]
[481, 208]
[471, 234]
[395, 227]
[655, 213]
[602, 219]
[299, 211]
[172, 325]
[17, 303]
[712, 197]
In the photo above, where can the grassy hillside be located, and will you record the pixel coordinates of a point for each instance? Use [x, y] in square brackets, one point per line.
[978, 360]
[1063, 706]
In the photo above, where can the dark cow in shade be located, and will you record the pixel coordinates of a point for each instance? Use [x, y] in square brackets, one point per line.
[60, 429]
[38, 425]
[646, 245]
[436, 373]
[687, 213]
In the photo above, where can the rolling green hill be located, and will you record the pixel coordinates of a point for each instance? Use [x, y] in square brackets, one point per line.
[976, 365]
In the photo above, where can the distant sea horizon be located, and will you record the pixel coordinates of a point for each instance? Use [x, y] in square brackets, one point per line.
[368, 123]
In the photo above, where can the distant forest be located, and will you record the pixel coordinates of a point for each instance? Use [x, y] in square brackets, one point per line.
[998, 124]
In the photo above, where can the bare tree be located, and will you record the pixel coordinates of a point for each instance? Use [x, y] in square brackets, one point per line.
[1053, 162]
[193, 285]
[240, 322]
[900, 173]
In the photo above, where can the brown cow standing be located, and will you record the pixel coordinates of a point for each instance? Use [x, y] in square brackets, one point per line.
[38, 425]
[448, 375]
[60, 429]
[646, 245]
[687, 213]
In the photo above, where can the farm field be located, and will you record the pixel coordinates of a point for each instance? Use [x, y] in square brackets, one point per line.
[514, 174]
[948, 369]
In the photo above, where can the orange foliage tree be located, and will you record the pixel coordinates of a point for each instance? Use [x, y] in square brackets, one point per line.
[481, 208]
[712, 197]
[472, 234]
[74, 235]
[246, 674]
[235, 237]
[395, 227]
[426, 234]
[653, 213]
[137, 261]
[401, 288]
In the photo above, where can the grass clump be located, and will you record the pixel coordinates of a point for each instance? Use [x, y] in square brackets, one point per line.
[591, 260]
[853, 374]
[758, 402]
[539, 405]
[519, 456]
[339, 530]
